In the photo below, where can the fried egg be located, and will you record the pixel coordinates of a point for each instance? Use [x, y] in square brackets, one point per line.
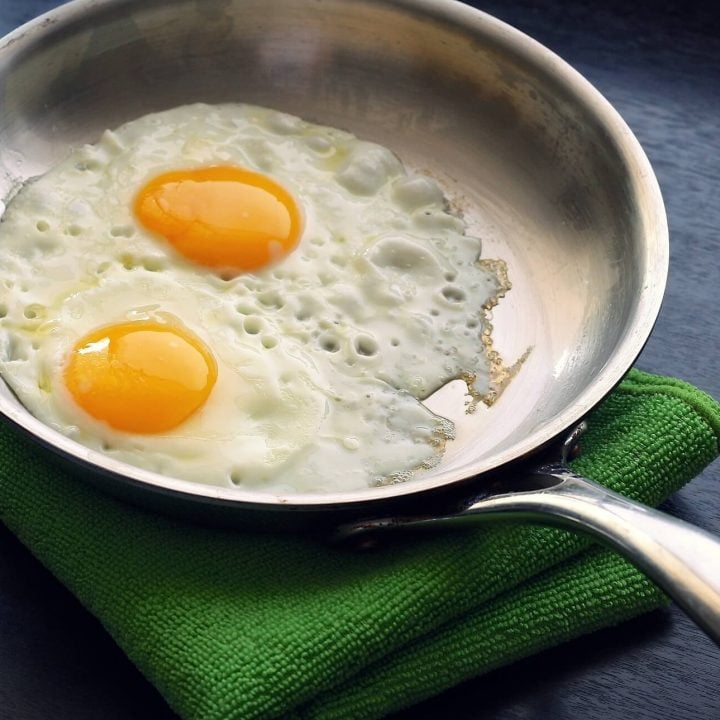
[234, 296]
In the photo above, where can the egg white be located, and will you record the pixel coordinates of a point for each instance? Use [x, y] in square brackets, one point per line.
[323, 357]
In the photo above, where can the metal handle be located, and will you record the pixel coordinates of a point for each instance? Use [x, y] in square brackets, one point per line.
[683, 560]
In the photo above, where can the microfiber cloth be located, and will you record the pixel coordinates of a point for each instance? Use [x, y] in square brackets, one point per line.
[232, 625]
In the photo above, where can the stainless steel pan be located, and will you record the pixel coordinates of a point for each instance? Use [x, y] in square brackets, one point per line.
[545, 170]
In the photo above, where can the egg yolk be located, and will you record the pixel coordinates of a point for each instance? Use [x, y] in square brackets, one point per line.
[222, 217]
[140, 377]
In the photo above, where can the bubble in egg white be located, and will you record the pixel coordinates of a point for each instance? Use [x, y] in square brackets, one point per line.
[323, 357]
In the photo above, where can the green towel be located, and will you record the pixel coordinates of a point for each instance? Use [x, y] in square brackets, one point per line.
[232, 625]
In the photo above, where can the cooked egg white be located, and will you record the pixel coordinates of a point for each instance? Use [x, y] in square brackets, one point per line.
[364, 298]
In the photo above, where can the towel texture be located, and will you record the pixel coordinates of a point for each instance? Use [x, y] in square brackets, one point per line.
[232, 625]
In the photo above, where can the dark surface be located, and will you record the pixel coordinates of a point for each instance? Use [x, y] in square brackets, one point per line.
[659, 64]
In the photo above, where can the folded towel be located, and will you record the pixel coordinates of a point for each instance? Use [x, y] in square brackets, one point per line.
[232, 625]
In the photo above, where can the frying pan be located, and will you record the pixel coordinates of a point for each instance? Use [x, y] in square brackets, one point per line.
[542, 167]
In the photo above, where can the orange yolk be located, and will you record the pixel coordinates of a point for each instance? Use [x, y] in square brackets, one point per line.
[222, 217]
[140, 377]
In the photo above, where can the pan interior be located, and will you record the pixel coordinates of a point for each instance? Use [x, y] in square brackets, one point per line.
[542, 168]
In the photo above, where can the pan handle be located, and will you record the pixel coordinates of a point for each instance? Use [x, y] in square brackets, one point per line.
[681, 559]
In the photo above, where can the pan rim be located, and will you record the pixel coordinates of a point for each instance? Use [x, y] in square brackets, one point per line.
[656, 249]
